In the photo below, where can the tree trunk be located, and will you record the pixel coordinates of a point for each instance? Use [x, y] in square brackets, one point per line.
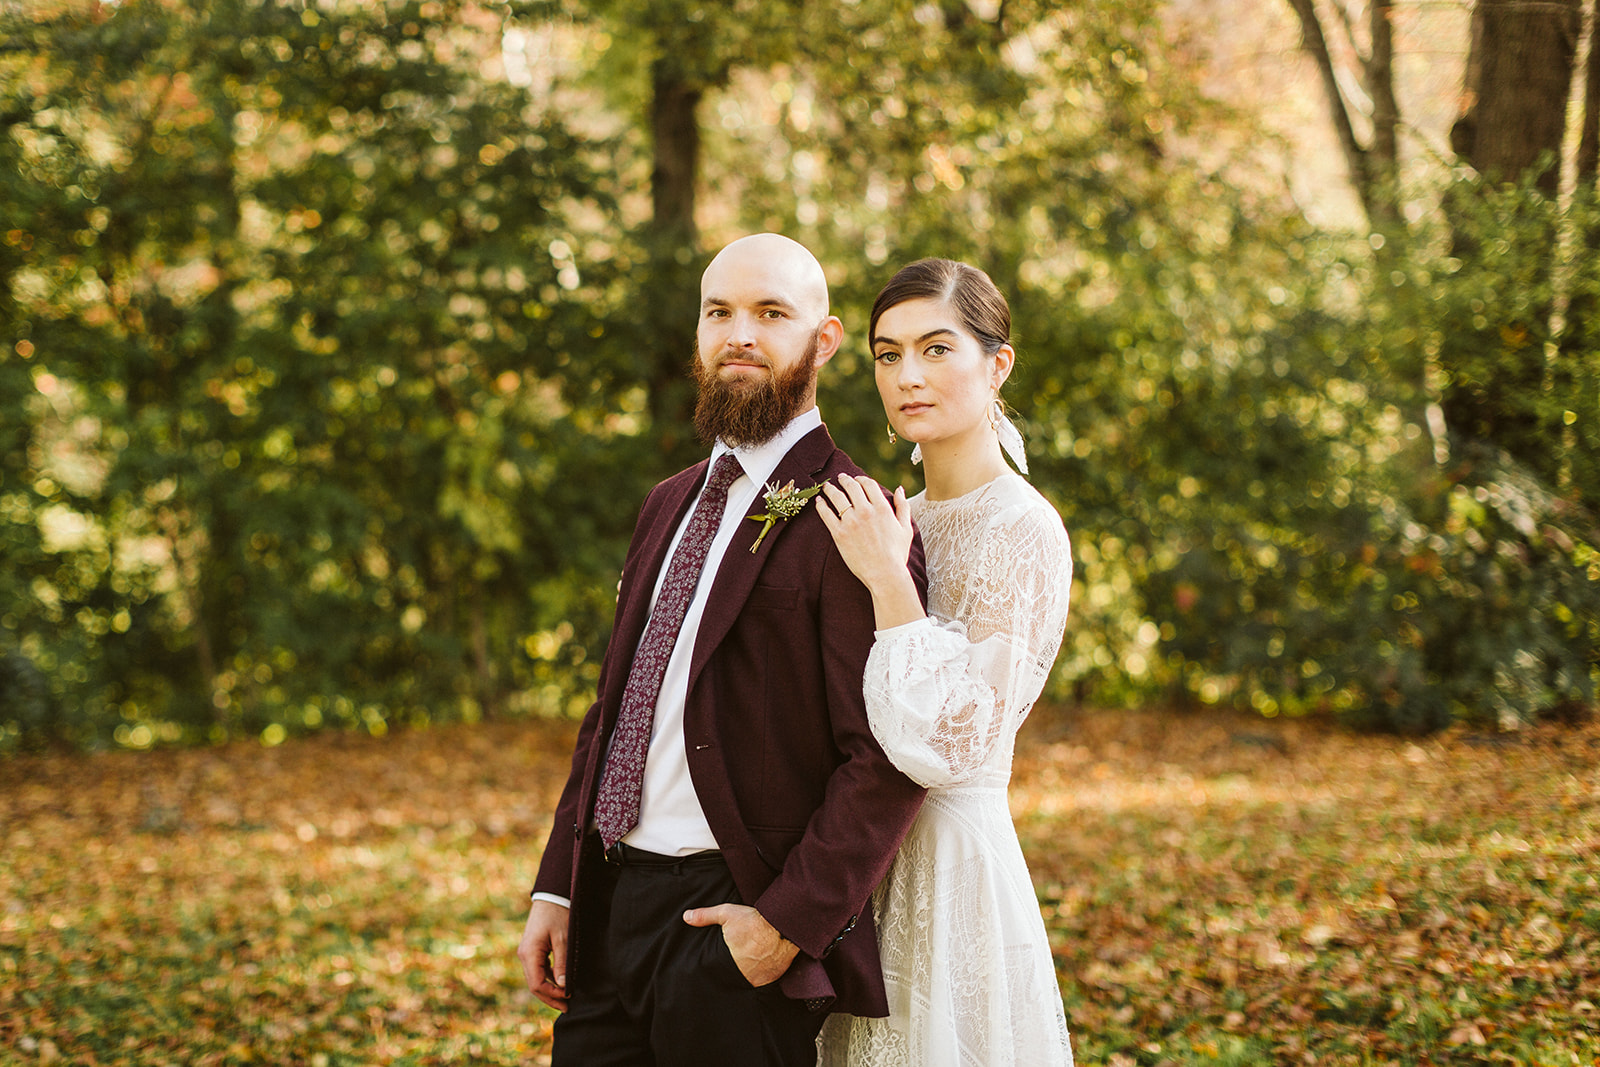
[1588, 161]
[1579, 363]
[1384, 172]
[674, 291]
[1515, 93]
[483, 662]
[1374, 169]
[677, 152]
[1519, 73]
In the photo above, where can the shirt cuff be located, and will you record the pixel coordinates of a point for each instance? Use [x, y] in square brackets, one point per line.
[553, 899]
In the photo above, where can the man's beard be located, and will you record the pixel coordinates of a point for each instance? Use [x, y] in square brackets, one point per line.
[748, 413]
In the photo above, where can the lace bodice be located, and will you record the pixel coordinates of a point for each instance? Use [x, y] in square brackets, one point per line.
[946, 694]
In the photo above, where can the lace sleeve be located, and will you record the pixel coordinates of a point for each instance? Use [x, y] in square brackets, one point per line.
[941, 695]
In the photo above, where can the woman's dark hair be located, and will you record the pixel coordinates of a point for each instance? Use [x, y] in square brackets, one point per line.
[977, 302]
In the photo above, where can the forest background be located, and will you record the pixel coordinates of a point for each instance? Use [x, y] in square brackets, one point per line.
[342, 340]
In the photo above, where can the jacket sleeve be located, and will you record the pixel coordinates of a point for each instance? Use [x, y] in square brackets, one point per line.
[556, 874]
[555, 866]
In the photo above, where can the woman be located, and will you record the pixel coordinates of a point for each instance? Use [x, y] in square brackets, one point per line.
[965, 955]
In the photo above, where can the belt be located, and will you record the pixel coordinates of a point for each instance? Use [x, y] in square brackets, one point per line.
[627, 856]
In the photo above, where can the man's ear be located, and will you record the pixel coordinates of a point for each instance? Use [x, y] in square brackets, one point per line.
[830, 335]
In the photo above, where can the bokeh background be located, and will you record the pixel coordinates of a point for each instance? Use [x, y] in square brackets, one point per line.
[342, 339]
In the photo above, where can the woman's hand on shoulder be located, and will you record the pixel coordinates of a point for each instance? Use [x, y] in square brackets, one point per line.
[872, 531]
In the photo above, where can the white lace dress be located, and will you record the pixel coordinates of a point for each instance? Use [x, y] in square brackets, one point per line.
[970, 978]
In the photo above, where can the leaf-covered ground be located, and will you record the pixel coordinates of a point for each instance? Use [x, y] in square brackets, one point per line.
[1218, 891]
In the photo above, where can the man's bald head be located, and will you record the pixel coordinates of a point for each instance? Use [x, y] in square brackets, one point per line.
[770, 260]
[764, 331]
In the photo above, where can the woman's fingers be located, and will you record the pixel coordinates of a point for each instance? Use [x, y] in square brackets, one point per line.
[862, 490]
[844, 495]
[902, 508]
[847, 495]
[852, 491]
[871, 493]
[838, 499]
[829, 519]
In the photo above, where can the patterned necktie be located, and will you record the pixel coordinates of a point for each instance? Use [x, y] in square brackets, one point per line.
[616, 808]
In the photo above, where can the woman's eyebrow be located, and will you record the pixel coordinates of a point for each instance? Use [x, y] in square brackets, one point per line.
[925, 337]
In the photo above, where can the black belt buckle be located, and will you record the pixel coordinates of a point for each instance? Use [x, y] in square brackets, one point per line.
[621, 855]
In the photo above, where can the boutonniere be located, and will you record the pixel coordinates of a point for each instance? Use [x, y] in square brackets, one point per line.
[783, 502]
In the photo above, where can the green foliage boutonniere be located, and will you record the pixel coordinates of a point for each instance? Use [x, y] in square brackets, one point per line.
[782, 503]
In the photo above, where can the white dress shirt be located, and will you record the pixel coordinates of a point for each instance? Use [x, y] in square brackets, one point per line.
[671, 821]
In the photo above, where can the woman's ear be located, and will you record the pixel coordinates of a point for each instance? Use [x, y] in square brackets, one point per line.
[1005, 357]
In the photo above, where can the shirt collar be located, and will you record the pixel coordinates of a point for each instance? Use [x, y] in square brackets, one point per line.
[759, 461]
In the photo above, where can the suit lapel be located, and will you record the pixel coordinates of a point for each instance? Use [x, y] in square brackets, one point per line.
[737, 574]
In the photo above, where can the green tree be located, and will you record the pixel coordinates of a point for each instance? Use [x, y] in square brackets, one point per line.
[296, 293]
[337, 362]
[1480, 600]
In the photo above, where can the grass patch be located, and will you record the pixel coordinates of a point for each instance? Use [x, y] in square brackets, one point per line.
[1211, 899]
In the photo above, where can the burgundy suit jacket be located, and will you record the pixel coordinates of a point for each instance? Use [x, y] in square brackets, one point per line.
[805, 806]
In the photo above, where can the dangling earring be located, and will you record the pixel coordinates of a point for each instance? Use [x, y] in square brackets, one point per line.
[892, 437]
[1010, 438]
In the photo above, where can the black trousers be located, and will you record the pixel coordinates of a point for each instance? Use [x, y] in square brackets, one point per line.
[649, 990]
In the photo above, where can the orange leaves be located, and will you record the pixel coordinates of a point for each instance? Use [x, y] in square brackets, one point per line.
[1323, 898]
[1216, 890]
[331, 901]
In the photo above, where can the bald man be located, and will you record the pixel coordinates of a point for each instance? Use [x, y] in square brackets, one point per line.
[703, 897]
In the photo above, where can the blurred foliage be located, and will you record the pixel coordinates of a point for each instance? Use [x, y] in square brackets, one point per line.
[290, 312]
[340, 352]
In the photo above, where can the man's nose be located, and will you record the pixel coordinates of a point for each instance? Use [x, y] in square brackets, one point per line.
[742, 332]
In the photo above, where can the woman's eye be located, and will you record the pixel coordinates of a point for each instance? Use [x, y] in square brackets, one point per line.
[887, 357]
[938, 350]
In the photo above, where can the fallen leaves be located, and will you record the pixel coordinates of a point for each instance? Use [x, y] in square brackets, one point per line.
[1300, 896]
[1329, 898]
[337, 900]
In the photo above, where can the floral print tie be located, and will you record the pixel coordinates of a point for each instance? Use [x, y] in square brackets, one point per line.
[616, 808]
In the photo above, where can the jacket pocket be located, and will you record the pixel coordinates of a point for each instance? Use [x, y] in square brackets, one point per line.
[774, 842]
